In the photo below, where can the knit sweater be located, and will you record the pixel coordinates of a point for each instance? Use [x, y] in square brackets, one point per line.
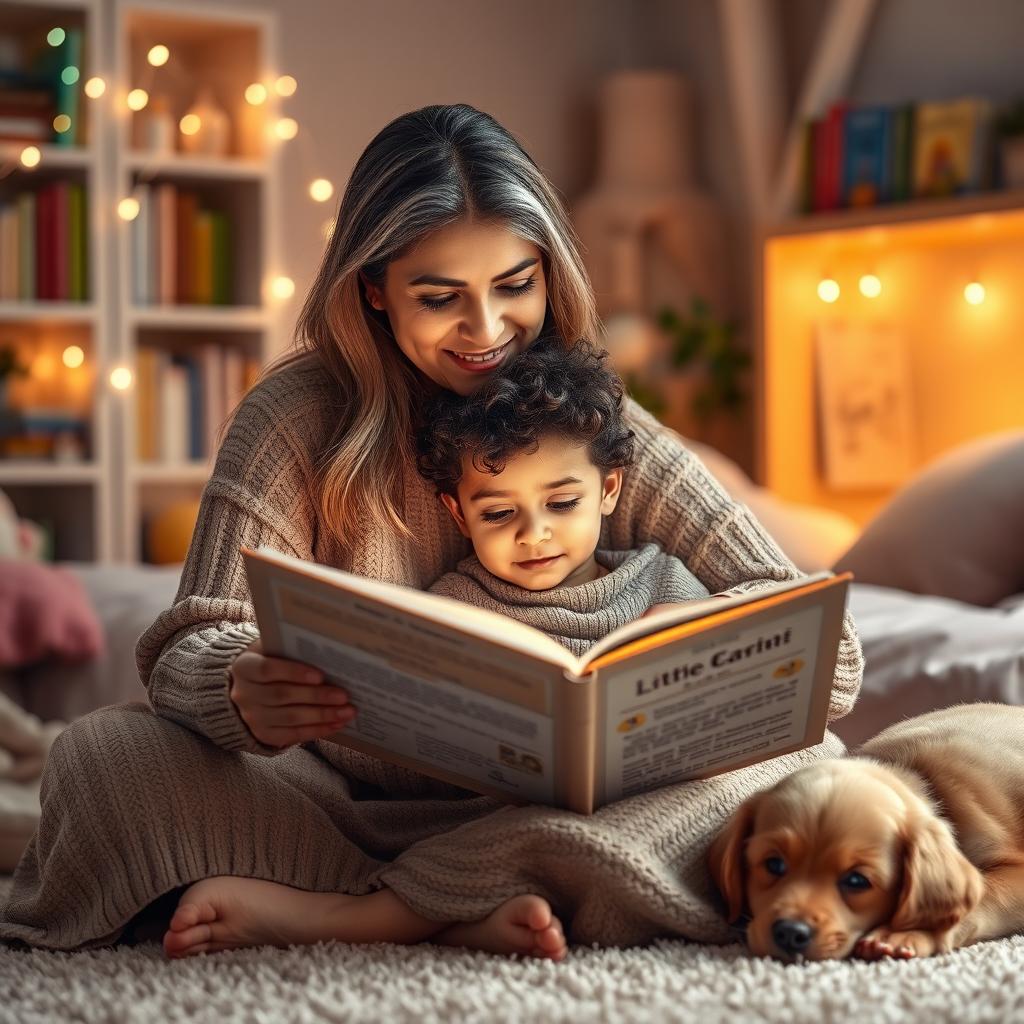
[261, 492]
[137, 804]
[578, 616]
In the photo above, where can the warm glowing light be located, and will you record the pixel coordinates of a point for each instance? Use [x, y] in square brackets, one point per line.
[286, 86]
[974, 293]
[73, 357]
[70, 75]
[55, 36]
[121, 378]
[128, 209]
[158, 55]
[321, 190]
[95, 88]
[828, 290]
[287, 128]
[282, 287]
[256, 94]
[327, 230]
[137, 99]
[190, 124]
[870, 286]
[30, 156]
[61, 123]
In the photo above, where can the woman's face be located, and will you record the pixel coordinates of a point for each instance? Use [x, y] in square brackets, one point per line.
[465, 299]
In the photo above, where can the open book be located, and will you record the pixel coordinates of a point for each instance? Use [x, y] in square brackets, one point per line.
[474, 698]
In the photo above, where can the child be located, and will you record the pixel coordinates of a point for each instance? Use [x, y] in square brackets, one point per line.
[528, 466]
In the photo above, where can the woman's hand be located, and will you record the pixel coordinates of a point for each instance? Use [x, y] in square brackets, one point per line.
[285, 702]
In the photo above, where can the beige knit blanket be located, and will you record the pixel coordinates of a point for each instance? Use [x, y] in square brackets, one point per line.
[136, 804]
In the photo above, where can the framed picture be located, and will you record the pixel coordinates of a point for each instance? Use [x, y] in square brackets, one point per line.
[865, 405]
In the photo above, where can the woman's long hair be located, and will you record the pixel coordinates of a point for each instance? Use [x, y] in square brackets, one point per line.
[423, 171]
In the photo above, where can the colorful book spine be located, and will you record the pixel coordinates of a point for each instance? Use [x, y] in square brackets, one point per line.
[902, 153]
[220, 260]
[61, 247]
[8, 252]
[68, 86]
[203, 257]
[27, 246]
[77, 242]
[141, 295]
[147, 411]
[166, 243]
[174, 413]
[867, 162]
[196, 402]
[211, 361]
[188, 208]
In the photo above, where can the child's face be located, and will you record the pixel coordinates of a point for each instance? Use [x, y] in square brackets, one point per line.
[537, 522]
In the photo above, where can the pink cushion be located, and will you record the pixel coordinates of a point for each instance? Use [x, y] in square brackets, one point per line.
[44, 612]
[956, 530]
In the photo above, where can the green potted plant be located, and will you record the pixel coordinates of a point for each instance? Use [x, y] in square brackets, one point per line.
[1010, 131]
[9, 367]
[704, 342]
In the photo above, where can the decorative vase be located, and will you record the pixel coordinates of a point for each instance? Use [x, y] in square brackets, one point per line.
[645, 203]
[158, 128]
[212, 138]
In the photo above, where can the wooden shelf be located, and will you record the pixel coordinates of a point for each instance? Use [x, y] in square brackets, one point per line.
[199, 318]
[181, 166]
[51, 156]
[900, 213]
[15, 471]
[65, 312]
[172, 472]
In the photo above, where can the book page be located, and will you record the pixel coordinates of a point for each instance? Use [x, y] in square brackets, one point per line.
[733, 694]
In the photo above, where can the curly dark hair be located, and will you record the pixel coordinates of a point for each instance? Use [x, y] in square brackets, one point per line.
[548, 390]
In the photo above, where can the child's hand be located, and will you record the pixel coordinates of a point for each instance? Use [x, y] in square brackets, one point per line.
[667, 607]
[285, 702]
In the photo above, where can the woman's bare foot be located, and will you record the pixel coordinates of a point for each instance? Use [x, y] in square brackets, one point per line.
[523, 924]
[226, 912]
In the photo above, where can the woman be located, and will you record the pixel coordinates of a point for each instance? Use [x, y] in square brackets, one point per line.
[223, 815]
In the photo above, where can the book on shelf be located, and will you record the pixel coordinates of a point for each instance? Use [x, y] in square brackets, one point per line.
[181, 252]
[865, 156]
[44, 255]
[182, 399]
[35, 88]
[952, 148]
[479, 700]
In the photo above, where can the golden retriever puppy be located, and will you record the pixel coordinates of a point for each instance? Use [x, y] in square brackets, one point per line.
[913, 847]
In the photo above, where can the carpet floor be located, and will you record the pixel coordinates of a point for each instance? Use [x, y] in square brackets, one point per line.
[669, 981]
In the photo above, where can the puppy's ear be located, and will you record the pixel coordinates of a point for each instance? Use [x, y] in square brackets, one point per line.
[725, 857]
[940, 885]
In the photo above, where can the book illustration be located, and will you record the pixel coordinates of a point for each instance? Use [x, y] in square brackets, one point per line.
[488, 703]
[865, 405]
[951, 147]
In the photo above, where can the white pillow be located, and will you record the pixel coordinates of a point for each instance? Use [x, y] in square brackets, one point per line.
[956, 530]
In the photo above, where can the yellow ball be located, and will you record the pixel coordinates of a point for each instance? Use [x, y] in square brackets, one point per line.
[170, 531]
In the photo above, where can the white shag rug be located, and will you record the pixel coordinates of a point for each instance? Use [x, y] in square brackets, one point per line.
[669, 981]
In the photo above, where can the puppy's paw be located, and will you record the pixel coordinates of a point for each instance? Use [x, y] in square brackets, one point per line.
[883, 942]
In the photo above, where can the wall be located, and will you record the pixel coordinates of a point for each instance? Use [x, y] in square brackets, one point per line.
[532, 64]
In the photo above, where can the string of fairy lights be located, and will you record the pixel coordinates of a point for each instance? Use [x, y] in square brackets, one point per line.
[256, 94]
[870, 286]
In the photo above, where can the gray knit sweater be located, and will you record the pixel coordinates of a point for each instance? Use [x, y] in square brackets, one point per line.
[261, 492]
[578, 616]
[134, 806]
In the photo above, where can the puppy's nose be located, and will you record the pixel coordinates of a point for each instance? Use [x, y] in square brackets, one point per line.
[792, 936]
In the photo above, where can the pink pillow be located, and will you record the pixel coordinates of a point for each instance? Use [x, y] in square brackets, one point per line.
[44, 612]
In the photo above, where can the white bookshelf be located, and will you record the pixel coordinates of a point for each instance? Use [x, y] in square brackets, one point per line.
[111, 493]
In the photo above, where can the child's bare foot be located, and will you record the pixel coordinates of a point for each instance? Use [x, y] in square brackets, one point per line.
[523, 924]
[226, 912]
